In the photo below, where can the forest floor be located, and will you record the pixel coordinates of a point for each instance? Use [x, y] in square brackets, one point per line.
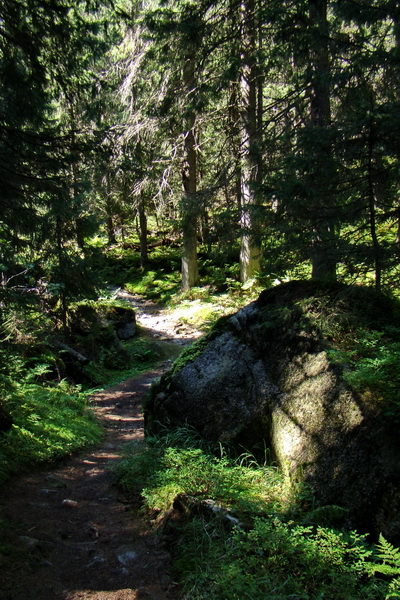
[71, 533]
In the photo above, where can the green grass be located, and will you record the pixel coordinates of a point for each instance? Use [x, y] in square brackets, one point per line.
[279, 548]
[180, 463]
[155, 284]
[49, 422]
[118, 266]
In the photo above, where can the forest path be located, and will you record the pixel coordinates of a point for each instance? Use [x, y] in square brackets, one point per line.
[76, 537]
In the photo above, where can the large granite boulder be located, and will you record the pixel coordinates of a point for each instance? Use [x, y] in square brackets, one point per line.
[264, 379]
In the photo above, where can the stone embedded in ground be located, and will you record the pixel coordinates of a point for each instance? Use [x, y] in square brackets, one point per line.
[68, 503]
[97, 561]
[56, 482]
[126, 555]
[125, 331]
[30, 543]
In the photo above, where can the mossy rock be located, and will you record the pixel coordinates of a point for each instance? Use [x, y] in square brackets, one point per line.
[269, 377]
[96, 329]
[88, 317]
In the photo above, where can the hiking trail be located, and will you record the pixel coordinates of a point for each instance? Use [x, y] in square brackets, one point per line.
[76, 536]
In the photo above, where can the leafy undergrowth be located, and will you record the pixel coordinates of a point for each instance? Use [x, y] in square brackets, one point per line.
[49, 422]
[276, 543]
[139, 356]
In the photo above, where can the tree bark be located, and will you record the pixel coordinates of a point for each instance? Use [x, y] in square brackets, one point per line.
[250, 249]
[377, 251]
[396, 29]
[109, 212]
[144, 257]
[189, 208]
[323, 254]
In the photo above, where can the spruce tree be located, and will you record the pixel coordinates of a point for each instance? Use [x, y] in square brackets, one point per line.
[46, 50]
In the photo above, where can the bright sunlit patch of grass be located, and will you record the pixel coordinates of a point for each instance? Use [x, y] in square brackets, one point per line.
[173, 465]
[49, 422]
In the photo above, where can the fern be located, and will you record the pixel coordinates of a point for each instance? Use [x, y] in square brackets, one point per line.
[390, 557]
[389, 566]
[393, 590]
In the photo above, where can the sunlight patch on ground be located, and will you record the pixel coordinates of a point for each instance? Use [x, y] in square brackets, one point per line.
[199, 313]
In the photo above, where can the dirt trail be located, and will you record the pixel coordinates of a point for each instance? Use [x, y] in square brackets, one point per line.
[77, 537]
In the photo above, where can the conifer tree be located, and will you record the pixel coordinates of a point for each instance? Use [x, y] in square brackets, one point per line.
[46, 49]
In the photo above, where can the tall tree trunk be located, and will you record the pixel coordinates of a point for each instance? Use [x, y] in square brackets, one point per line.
[109, 212]
[398, 224]
[144, 258]
[80, 237]
[323, 222]
[189, 208]
[377, 250]
[250, 249]
[234, 114]
[396, 30]
[62, 272]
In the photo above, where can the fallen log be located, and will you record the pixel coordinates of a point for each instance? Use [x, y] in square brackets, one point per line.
[74, 353]
[190, 506]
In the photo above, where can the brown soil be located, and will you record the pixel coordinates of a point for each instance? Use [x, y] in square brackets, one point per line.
[72, 534]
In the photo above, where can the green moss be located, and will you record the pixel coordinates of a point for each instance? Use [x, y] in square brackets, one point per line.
[89, 312]
[190, 353]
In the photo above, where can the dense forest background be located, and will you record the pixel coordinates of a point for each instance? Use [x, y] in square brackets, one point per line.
[264, 133]
[255, 141]
[194, 149]
[252, 142]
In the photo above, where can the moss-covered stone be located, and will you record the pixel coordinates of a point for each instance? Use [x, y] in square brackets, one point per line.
[84, 317]
[268, 377]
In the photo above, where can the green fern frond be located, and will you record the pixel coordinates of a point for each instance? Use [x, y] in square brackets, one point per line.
[389, 564]
[393, 592]
[388, 554]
